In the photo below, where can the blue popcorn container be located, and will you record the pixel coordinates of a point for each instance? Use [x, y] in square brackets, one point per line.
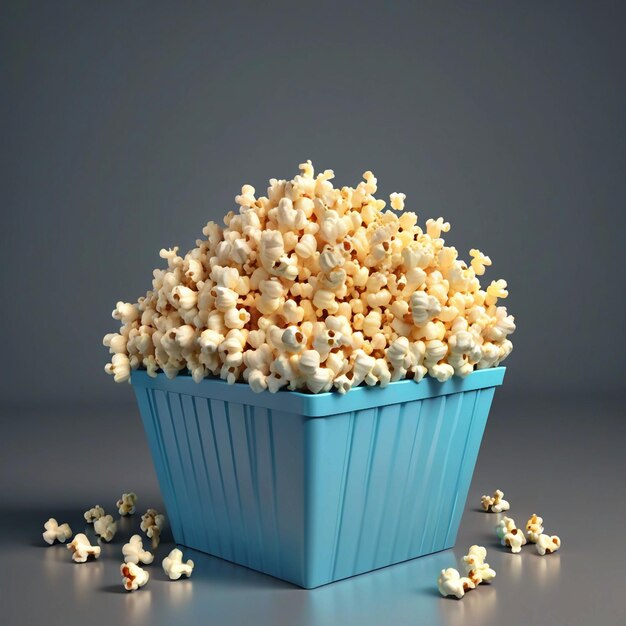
[315, 488]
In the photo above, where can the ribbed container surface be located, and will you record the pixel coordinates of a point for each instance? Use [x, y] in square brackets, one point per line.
[315, 488]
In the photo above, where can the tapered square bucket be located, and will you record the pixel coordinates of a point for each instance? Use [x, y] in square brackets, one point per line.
[315, 488]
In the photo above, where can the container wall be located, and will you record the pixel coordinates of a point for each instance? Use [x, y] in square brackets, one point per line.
[389, 484]
[312, 500]
[231, 477]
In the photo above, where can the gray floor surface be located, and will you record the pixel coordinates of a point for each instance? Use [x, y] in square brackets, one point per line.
[564, 460]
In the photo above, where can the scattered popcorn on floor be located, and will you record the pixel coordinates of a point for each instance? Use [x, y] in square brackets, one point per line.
[495, 503]
[126, 504]
[174, 567]
[534, 528]
[105, 527]
[451, 583]
[134, 552]
[133, 576]
[82, 549]
[55, 532]
[477, 570]
[547, 544]
[93, 514]
[314, 268]
[510, 535]
[152, 523]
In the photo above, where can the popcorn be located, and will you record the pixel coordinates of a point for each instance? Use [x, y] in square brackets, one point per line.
[133, 576]
[534, 528]
[81, 549]
[477, 570]
[174, 567]
[93, 514]
[55, 532]
[497, 289]
[547, 544]
[134, 553]
[434, 228]
[105, 527]
[505, 525]
[476, 554]
[396, 201]
[451, 583]
[510, 535]
[152, 523]
[287, 262]
[495, 503]
[479, 262]
[126, 504]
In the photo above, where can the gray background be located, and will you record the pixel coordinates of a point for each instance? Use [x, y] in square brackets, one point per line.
[127, 126]
[130, 125]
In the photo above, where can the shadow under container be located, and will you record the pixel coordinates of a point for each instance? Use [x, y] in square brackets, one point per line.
[315, 488]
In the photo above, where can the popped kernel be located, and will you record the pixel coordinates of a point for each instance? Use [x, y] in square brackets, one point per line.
[477, 570]
[451, 583]
[534, 528]
[495, 503]
[510, 535]
[547, 544]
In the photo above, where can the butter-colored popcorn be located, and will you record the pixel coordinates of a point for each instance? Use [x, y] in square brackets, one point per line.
[451, 583]
[93, 514]
[257, 381]
[424, 307]
[534, 528]
[499, 505]
[174, 567]
[236, 318]
[396, 201]
[505, 525]
[184, 297]
[119, 368]
[441, 371]
[343, 384]
[309, 362]
[479, 261]
[56, 532]
[105, 527]
[152, 523]
[126, 504]
[497, 289]
[477, 570]
[495, 503]
[292, 339]
[320, 380]
[475, 555]
[434, 228]
[306, 247]
[547, 544]
[82, 549]
[285, 263]
[134, 553]
[510, 535]
[363, 366]
[133, 576]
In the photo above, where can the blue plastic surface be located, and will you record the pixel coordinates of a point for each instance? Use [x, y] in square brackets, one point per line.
[315, 488]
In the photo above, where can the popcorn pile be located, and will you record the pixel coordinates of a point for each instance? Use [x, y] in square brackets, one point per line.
[314, 287]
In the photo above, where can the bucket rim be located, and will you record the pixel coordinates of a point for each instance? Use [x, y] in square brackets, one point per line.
[321, 404]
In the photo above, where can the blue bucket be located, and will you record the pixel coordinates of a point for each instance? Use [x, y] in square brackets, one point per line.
[315, 488]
